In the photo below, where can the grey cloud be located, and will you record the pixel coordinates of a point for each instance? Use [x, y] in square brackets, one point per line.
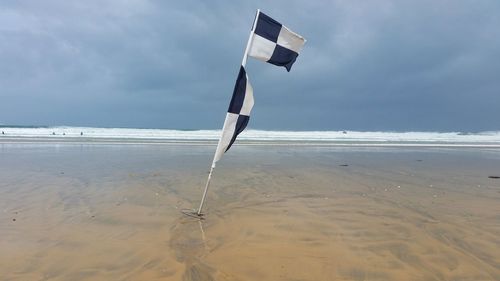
[377, 65]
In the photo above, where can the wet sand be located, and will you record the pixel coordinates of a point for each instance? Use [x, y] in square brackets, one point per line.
[112, 212]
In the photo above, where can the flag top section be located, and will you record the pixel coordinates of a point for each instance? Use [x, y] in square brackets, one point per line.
[274, 43]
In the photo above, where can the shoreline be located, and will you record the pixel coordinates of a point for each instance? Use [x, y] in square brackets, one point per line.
[298, 143]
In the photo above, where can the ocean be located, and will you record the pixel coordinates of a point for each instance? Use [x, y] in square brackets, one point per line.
[255, 137]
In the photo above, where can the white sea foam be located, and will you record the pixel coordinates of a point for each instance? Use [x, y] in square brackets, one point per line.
[250, 135]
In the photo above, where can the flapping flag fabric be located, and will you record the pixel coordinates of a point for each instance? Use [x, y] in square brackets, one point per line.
[274, 43]
[237, 115]
[268, 41]
[271, 42]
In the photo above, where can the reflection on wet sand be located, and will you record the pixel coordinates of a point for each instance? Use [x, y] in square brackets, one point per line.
[189, 246]
[282, 214]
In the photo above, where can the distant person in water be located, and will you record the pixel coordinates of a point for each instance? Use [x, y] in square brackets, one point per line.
[81, 133]
[53, 133]
[3, 133]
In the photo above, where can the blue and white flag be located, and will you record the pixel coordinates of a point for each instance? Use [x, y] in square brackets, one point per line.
[268, 41]
[271, 42]
[274, 43]
[237, 115]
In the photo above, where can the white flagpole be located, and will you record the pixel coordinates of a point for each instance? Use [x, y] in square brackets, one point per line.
[243, 63]
[249, 42]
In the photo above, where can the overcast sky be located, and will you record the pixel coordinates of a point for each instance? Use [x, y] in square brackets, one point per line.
[367, 65]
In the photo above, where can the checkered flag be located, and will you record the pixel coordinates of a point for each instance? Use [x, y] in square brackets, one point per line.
[271, 42]
[268, 41]
[274, 43]
[238, 114]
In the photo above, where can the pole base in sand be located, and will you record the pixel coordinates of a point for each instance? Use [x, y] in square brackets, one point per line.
[193, 214]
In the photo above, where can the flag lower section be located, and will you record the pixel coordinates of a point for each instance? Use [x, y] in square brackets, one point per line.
[238, 114]
[274, 43]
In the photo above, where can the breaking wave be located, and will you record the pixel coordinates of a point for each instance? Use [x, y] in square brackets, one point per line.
[117, 134]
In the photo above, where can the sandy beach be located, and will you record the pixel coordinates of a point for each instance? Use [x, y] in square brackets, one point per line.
[112, 212]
